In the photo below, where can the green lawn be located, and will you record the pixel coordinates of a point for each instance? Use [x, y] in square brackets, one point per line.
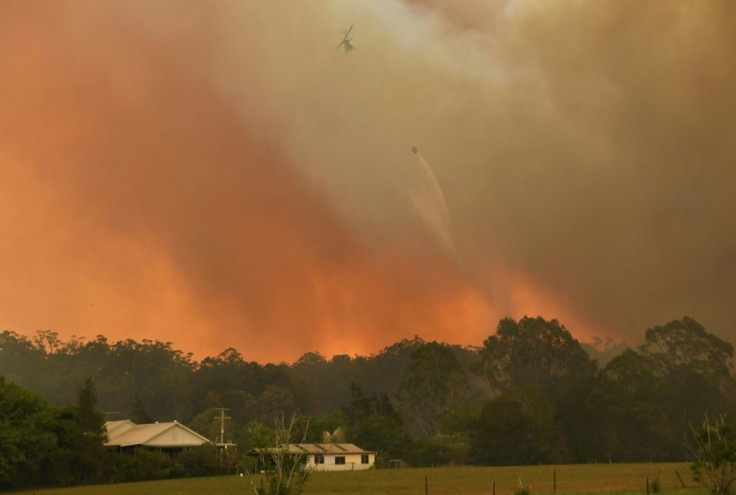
[578, 479]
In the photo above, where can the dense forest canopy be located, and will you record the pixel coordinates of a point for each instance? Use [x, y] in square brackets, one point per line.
[529, 394]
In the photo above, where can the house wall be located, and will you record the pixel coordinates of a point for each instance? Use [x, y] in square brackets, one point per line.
[352, 462]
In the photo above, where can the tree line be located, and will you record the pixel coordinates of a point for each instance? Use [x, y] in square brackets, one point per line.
[530, 394]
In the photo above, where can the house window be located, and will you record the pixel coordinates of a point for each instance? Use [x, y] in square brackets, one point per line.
[364, 459]
[319, 459]
[339, 459]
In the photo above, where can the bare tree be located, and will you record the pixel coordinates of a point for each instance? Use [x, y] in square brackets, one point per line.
[715, 456]
[284, 464]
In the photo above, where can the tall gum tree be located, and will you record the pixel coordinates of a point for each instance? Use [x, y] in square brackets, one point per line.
[435, 385]
[532, 351]
[695, 367]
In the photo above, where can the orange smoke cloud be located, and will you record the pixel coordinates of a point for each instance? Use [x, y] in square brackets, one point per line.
[138, 205]
[217, 174]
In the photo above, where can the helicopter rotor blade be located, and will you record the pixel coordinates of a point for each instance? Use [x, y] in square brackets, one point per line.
[346, 40]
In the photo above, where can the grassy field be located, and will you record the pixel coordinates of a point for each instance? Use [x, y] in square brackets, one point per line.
[582, 479]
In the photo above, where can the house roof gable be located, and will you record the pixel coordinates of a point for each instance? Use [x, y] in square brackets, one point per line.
[170, 434]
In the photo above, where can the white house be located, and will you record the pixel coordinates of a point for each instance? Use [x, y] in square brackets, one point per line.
[328, 456]
[170, 436]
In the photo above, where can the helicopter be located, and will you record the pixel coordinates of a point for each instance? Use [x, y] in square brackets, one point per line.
[345, 43]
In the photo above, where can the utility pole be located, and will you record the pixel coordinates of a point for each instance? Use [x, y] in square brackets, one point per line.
[222, 419]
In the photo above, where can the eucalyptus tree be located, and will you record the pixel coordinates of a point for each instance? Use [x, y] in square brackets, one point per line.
[535, 366]
[695, 368]
[532, 351]
[435, 385]
[628, 404]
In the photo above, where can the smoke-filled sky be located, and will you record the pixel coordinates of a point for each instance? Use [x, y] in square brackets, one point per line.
[221, 174]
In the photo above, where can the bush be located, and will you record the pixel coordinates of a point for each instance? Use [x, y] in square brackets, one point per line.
[142, 465]
[440, 450]
[715, 456]
[145, 464]
[200, 461]
[523, 490]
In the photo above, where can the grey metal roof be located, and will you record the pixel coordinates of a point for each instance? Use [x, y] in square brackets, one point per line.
[318, 448]
[152, 435]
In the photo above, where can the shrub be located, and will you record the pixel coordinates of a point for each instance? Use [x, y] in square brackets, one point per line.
[143, 465]
[440, 450]
[523, 490]
[200, 461]
[715, 456]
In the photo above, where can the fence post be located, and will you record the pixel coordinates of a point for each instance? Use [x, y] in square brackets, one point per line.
[679, 478]
[493, 487]
[554, 481]
[646, 480]
[426, 486]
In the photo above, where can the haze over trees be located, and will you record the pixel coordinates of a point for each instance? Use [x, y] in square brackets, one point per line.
[530, 394]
